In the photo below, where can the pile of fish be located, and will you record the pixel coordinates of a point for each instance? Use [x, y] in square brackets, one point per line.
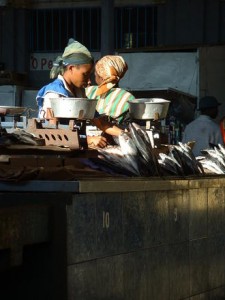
[213, 160]
[180, 161]
[134, 155]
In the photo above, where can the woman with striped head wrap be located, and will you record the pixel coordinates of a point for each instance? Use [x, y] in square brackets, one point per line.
[112, 100]
[71, 73]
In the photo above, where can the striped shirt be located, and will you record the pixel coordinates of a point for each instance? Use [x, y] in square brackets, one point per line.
[113, 103]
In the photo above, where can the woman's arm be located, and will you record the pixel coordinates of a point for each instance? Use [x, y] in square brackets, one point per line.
[103, 124]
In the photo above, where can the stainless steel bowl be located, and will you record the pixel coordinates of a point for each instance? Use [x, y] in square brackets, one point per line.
[148, 108]
[73, 108]
[12, 110]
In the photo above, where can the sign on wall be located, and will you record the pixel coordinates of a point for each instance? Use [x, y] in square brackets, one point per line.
[44, 61]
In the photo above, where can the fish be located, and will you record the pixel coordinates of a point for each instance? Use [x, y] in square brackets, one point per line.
[176, 154]
[115, 164]
[212, 166]
[25, 137]
[190, 163]
[143, 133]
[130, 151]
[186, 163]
[17, 137]
[222, 149]
[140, 143]
[127, 145]
[133, 156]
[220, 155]
[115, 156]
[169, 163]
[214, 160]
[144, 147]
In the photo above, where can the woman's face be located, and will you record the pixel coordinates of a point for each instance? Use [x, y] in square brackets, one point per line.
[79, 75]
[98, 79]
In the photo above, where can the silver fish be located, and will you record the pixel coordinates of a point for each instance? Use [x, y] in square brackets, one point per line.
[130, 151]
[190, 163]
[149, 162]
[140, 143]
[214, 158]
[127, 145]
[222, 149]
[143, 133]
[170, 163]
[212, 166]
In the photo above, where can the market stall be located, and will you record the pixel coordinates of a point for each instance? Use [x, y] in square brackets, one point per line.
[71, 230]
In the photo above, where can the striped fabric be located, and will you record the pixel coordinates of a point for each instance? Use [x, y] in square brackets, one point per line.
[113, 103]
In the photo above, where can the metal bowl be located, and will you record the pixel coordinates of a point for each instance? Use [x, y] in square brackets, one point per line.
[73, 108]
[148, 108]
[12, 110]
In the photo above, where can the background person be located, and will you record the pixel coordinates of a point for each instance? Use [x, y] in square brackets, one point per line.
[204, 130]
[71, 72]
[112, 100]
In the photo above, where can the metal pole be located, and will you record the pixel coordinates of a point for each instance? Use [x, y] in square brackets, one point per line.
[107, 27]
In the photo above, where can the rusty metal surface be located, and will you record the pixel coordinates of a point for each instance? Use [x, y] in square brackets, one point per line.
[55, 136]
[59, 137]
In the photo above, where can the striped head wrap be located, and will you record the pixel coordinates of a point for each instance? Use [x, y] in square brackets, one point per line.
[74, 54]
[111, 68]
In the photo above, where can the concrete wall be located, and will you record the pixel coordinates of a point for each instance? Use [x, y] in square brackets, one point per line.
[164, 244]
[212, 74]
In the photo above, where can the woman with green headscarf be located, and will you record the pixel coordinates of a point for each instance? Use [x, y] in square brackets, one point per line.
[71, 72]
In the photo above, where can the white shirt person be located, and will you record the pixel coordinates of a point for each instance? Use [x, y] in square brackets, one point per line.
[204, 130]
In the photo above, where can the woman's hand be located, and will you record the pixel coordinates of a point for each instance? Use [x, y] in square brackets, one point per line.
[96, 141]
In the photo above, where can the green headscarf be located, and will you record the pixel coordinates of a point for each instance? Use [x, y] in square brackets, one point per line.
[74, 54]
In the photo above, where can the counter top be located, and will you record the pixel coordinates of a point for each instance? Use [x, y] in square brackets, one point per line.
[40, 186]
[149, 184]
[113, 184]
